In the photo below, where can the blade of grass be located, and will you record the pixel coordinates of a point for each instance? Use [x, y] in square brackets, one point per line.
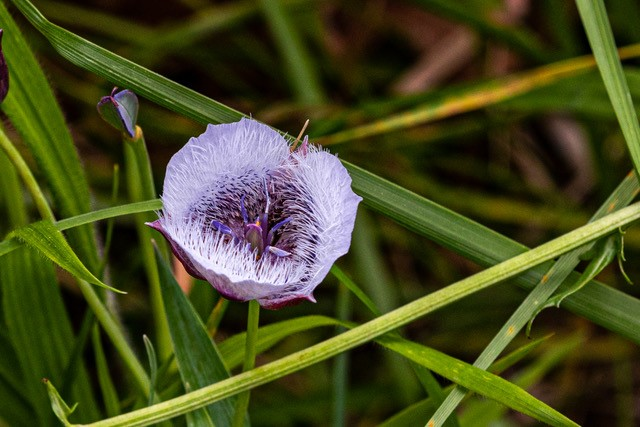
[199, 361]
[414, 415]
[486, 413]
[49, 241]
[9, 245]
[598, 29]
[298, 64]
[474, 379]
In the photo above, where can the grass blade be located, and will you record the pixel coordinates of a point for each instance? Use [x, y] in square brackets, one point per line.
[477, 380]
[596, 24]
[49, 241]
[198, 358]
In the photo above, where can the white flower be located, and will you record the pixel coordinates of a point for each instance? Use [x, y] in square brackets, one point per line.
[254, 219]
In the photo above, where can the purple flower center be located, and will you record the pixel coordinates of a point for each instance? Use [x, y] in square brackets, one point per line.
[256, 234]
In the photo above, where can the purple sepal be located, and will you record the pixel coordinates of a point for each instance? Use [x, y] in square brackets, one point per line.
[120, 110]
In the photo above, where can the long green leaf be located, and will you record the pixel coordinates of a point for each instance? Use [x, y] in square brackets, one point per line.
[602, 305]
[33, 110]
[485, 413]
[9, 245]
[477, 380]
[596, 23]
[198, 358]
[415, 414]
[49, 241]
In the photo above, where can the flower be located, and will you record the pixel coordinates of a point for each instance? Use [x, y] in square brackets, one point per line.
[120, 110]
[254, 219]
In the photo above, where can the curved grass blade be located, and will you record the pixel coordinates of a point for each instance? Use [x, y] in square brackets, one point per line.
[49, 241]
[9, 245]
[124, 73]
[415, 414]
[600, 35]
[486, 413]
[199, 361]
[476, 380]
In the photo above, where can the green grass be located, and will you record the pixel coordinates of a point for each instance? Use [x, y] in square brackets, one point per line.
[477, 189]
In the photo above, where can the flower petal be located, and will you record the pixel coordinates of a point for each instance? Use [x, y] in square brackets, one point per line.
[220, 161]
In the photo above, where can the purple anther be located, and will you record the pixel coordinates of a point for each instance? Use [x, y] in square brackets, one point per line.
[269, 238]
[222, 228]
[245, 218]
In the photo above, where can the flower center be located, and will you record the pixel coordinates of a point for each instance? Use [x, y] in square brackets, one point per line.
[256, 234]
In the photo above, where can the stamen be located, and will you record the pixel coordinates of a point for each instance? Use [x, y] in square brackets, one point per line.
[245, 218]
[221, 227]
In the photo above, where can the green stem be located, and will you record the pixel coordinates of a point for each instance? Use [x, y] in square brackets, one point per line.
[376, 327]
[112, 330]
[341, 362]
[141, 187]
[27, 177]
[253, 319]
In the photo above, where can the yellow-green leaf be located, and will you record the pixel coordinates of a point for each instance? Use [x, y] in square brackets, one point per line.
[49, 241]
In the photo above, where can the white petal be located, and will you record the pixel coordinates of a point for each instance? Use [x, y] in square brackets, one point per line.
[323, 209]
[244, 151]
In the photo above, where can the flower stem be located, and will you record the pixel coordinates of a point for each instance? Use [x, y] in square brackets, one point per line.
[27, 177]
[141, 187]
[242, 404]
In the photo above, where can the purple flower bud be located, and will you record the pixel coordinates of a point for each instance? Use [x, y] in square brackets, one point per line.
[4, 72]
[120, 110]
[254, 219]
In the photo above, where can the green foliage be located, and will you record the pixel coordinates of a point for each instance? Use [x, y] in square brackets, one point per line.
[198, 358]
[423, 272]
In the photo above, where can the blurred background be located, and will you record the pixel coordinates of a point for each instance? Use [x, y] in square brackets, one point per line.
[531, 163]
